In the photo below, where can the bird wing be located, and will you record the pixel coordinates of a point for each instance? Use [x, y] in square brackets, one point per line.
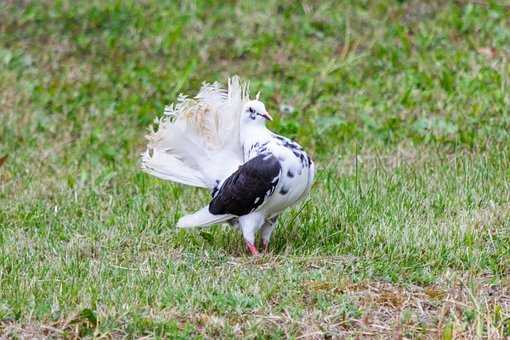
[248, 187]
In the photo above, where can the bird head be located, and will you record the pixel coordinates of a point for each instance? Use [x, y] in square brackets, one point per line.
[254, 112]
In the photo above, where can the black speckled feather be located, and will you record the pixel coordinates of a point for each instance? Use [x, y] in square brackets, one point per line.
[247, 188]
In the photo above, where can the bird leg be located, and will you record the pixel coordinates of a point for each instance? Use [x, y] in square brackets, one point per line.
[250, 224]
[252, 249]
[266, 230]
[265, 244]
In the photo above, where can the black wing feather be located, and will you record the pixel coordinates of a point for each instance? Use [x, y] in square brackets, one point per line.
[254, 179]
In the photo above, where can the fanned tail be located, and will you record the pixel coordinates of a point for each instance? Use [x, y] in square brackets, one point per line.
[197, 141]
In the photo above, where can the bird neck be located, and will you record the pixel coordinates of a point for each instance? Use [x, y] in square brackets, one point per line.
[250, 135]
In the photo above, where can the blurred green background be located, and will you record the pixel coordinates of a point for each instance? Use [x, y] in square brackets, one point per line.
[403, 104]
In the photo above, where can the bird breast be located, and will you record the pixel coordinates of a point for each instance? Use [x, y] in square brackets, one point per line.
[294, 177]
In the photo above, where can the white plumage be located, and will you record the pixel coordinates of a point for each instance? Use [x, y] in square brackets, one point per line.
[197, 140]
[218, 140]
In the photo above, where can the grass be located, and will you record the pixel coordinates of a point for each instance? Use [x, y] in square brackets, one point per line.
[403, 104]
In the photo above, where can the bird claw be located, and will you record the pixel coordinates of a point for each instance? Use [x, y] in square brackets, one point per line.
[252, 249]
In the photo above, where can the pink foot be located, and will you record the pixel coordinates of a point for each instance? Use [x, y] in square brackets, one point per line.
[252, 249]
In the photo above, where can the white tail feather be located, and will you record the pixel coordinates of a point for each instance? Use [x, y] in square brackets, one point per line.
[197, 142]
[202, 218]
[168, 167]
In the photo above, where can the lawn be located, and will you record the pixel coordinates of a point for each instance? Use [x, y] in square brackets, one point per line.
[404, 105]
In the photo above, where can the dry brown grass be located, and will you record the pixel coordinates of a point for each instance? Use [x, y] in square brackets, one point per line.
[459, 307]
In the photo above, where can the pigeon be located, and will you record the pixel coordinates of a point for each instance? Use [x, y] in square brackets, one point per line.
[219, 140]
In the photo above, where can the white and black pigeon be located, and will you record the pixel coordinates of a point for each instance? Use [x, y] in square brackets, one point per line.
[219, 140]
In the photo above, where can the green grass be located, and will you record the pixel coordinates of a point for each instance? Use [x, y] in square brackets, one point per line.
[405, 106]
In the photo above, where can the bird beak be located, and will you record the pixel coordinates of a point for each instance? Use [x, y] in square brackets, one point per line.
[268, 116]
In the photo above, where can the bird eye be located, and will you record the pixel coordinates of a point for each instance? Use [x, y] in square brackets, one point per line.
[251, 110]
